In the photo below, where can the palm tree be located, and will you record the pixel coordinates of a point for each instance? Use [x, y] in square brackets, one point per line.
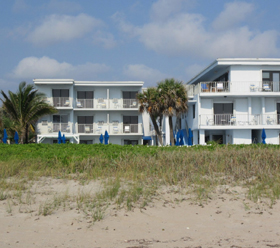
[149, 102]
[173, 100]
[25, 107]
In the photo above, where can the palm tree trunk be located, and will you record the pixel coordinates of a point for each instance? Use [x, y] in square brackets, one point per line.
[171, 131]
[26, 134]
[157, 130]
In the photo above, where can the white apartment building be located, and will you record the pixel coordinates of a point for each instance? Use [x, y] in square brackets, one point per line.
[89, 108]
[233, 100]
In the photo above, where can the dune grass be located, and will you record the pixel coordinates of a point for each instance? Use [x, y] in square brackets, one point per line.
[132, 175]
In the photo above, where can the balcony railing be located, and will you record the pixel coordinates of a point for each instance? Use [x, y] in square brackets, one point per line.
[62, 127]
[85, 128]
[84, 103]
[130, 103]
[239, 119]
[61, 102]
[112, 128]
[233, 87]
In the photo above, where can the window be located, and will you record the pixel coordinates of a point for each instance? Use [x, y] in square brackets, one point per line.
[85, 99]
[60, 123]
[271, 81]
[130, 124]
[223, 113]
[131, 142]
[193, 110]
[85, 124]
[129, 94]
[60, 97]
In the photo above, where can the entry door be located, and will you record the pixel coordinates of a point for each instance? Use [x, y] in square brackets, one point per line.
[223, 113]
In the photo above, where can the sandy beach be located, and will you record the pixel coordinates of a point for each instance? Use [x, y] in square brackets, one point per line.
[226, 219]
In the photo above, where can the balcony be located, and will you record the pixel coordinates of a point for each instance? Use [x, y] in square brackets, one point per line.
[84, 103]
[112, 128]
[62, 102]
[62, 127]
[239, 120]
[233, 87]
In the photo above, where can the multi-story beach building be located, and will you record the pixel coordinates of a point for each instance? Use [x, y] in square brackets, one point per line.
[89, 108]
[233, 100]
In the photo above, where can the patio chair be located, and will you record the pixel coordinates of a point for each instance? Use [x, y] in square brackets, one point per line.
[79, 105]
[204, 88]
[232, 120]
[87, 129]
[134, 104]
[209, 122]
[127, 129]
[116, 103]
[67, 103]
[253, 88]
[266, 87]
[220, 87]
[269, 120]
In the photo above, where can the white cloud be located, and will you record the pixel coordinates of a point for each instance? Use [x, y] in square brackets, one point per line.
[143, 73]
[186, 34]
[107, 40]
[233, 14]
[45, 67]
[164, 8]
[57, 28]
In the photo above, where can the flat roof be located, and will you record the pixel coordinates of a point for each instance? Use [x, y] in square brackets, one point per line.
[224, 62]
[88, 83]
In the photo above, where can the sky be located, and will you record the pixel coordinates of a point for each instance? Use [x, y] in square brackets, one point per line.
[146, 40]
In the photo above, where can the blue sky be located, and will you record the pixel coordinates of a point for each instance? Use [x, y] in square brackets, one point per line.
[146, 40]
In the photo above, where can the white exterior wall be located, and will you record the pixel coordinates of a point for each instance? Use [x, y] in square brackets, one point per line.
[242, 136]
[272, 136]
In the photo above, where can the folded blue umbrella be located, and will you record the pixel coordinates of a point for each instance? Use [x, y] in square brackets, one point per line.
[101, 138]
[16, 138]
[181, 137]
[63, 139]
[190, 138]
[263, 136]
[5, 136]
[59, 140]
[177, 139]
[106, 136]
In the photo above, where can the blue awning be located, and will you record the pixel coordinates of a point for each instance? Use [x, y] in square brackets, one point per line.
[147, 138]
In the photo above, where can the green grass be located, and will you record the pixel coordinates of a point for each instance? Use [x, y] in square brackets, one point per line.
[132, 175]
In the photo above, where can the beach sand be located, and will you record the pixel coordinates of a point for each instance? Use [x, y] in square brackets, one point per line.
[227, 219]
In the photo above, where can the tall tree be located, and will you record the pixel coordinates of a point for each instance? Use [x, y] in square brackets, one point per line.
[173, 100]
[25, 107]
[149, 102]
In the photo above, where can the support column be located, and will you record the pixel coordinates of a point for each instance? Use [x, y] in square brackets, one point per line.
[263, 111]
[167, 131]
[195, 137]
[108, 97]
[202, 137]
[249, 109]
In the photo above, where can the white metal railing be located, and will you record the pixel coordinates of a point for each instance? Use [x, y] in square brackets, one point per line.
[233, 87]
[62, 127]
[61, 101]
[85, 128]
[271, 119]
[230, 120]
[84, 103]
[125, 128]
[130, 103]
